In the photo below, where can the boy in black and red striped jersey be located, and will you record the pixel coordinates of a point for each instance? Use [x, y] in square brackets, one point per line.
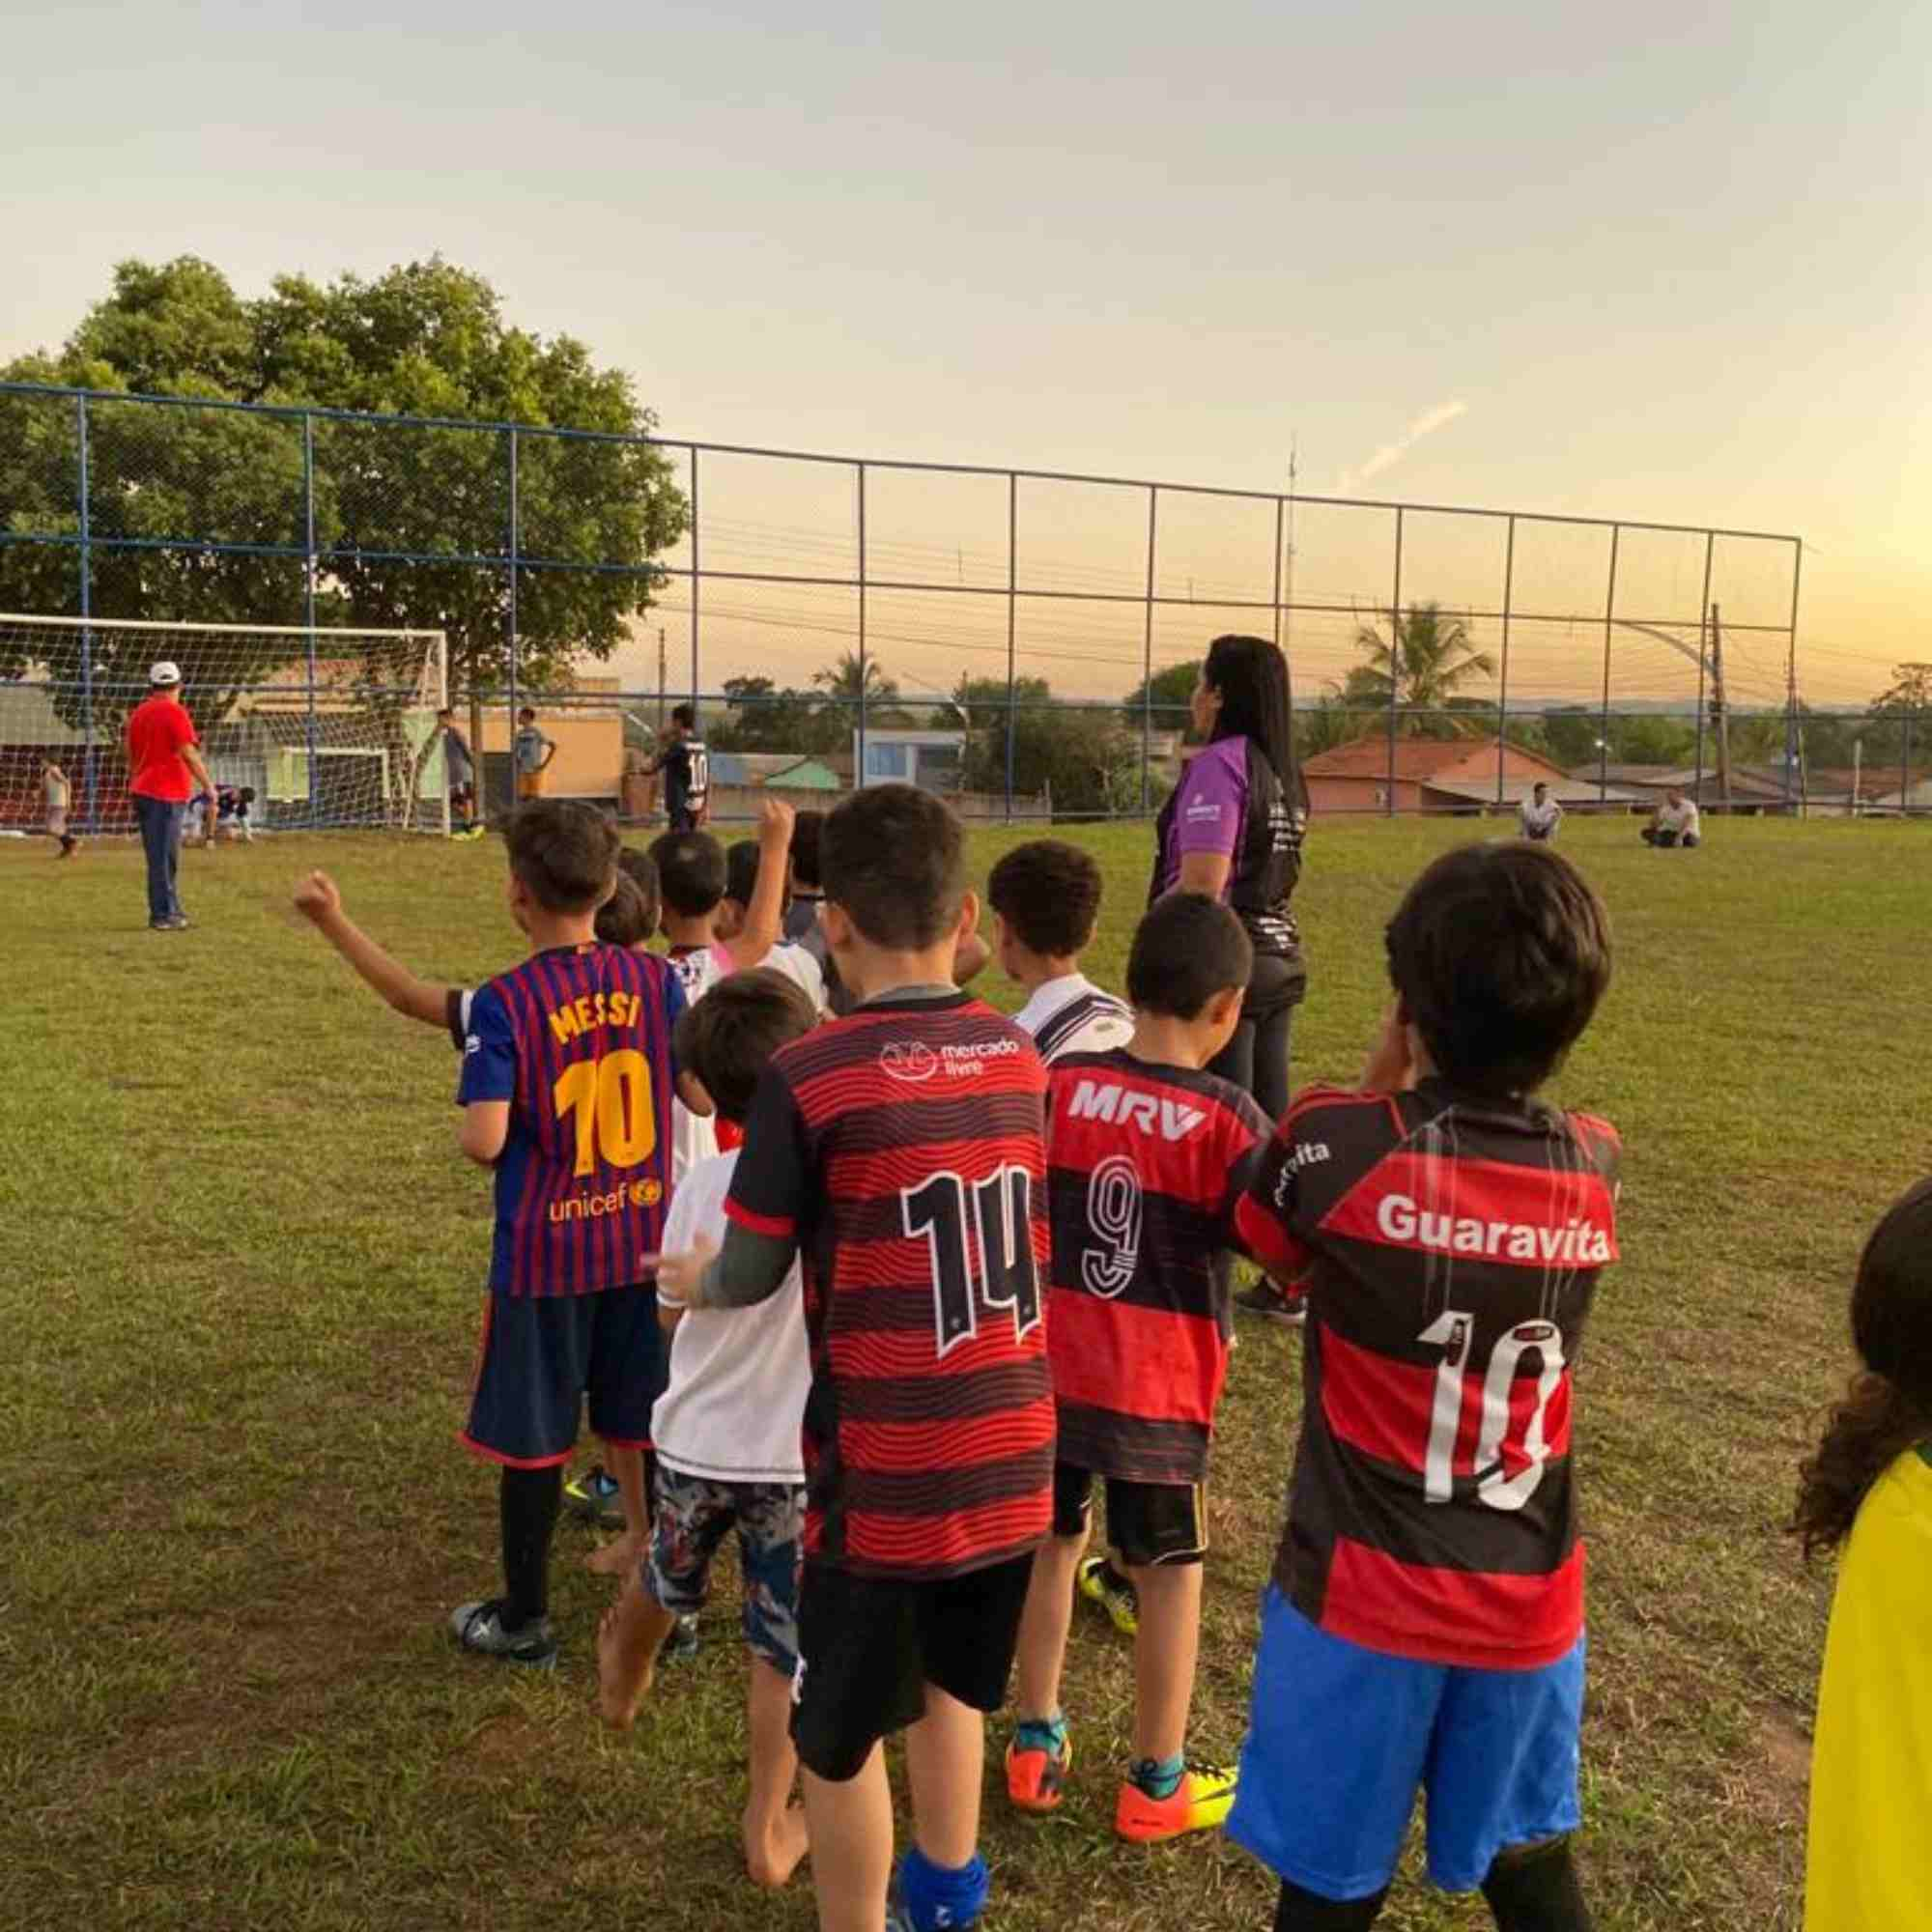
[900, 1152]
[1149, 1156]
[1425, 1622]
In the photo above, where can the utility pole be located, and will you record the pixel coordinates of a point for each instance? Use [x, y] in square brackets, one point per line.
[1719, 716]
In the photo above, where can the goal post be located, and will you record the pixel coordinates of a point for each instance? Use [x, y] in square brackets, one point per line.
[333, 729]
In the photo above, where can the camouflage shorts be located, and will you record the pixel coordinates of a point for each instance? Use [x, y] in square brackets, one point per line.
[694, 1518]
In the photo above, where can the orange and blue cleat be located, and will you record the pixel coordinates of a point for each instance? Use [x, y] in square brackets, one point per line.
[1036, 1776]
[1199, 1803]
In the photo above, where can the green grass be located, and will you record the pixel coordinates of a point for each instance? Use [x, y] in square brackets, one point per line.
[241, 1302]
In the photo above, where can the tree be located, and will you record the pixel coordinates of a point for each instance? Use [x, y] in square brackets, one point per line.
[1171, 689]
[979, 703]
[1425, 662]
[428, 339]
[851, 678]
[764, 718]
[1081, 754]
[1909, 694]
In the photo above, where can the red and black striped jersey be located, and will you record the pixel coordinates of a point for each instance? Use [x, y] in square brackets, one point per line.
[1449, 1248]
[1146, 1166]
[902, 1147]
[578, 1041]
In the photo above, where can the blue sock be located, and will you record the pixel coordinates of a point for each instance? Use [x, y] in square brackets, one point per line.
[1159, 1777]
[936, 1896]
[1046, 1734]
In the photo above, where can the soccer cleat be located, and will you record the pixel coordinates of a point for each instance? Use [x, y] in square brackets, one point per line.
[595, 1496]
[1103, 1586]
[681, 1645]
[1267, 1301]
[1035, 1778]
[479, 1626]
[1200, 1802]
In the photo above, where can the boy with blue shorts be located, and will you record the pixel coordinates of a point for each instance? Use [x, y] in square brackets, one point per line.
[566, 1094]
[1424, 1625]
[729, 1438]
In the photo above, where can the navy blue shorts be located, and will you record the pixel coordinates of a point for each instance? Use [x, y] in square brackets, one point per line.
[540, 1355]
[1341, 1738]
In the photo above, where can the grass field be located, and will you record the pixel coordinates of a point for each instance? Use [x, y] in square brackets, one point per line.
[240, 1304]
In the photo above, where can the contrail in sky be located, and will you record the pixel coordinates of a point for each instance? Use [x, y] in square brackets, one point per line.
[1392, 453]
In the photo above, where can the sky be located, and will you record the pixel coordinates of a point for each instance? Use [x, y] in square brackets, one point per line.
[1668, 262]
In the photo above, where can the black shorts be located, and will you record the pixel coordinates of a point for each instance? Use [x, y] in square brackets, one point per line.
[868, 1646]
[683, 816]
[1148, 1523]
[540, 1355]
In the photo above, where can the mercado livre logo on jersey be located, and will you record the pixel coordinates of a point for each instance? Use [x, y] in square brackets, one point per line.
[1559, 1217]
[957, 1060]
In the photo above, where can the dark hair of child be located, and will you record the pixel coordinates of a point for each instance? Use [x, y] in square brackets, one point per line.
[1499, 954]
[806, 831]
[1887, 1409]
[727, 1037]
[741, 869]
[565, 853]
[638, 867]
[1048, 891]
[690, 871]
[1187, 948]
[892, 858]
[683, 714]
[623, 919]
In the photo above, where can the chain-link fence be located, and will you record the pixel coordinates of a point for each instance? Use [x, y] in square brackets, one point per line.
[1021, 639]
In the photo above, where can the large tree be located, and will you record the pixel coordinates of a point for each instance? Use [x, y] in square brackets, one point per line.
[765, 717]
[389, 500]
[1171, 689]
[1420, 667]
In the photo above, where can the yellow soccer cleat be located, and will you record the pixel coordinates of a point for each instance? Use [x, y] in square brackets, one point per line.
[1200, 1802]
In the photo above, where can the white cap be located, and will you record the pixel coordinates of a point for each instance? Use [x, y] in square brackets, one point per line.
[165, 671]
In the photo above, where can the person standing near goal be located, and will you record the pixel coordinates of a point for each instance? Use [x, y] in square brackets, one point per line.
[531, 754]
[461, 765]
[164, 767]
[57, 792]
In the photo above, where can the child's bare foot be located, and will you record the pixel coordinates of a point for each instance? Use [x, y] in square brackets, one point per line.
[772, 1856]
[617, 1558]
[627, 1649]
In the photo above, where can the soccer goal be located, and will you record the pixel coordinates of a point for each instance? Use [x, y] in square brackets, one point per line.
[331, 729]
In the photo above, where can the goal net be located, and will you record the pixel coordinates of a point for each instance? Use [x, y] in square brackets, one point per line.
[329, 728]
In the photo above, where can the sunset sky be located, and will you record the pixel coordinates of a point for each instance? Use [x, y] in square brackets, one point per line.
[1664, 262]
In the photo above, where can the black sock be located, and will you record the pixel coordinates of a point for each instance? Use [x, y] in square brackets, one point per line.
[1537, 1893]
[1305, 1912]
[528, 1501]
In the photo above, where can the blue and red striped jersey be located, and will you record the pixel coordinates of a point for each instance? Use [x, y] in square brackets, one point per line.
[578, 1041]
[1449, 1247]
[902, 1149]
[1146, 1166]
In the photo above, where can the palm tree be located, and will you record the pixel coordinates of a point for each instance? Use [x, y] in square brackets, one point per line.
[849, 679]
[1422, 671]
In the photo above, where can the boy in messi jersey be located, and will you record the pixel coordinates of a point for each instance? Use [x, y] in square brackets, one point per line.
[566, 1091]
[1149, 1156]
[1425, 1622]
[900, 1153]
[628, 918]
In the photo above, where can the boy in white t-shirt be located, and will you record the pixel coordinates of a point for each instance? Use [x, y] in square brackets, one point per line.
[690, 885]
[1045, 897]
[744, 861]
[729, 1433]
[1674, 822]
[1540, 814]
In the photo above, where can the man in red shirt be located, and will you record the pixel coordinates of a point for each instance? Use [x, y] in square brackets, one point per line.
[164, 767]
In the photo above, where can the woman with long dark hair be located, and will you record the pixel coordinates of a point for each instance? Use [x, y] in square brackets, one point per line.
[1233, 829]
[1869, 1487]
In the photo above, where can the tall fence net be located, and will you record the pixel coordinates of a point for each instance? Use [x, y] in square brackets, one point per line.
[1021, 639]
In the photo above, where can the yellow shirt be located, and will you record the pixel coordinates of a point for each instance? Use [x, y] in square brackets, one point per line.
[1869, 1863]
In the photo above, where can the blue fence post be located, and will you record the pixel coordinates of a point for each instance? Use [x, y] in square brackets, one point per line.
[510, 617]
[1012, 614]
[89, 757]
[308, 591]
